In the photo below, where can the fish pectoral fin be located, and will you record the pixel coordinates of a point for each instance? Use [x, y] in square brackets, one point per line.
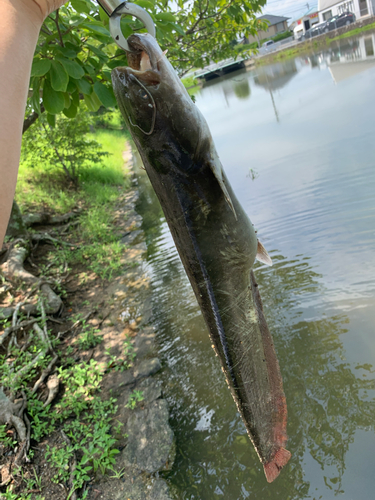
[217, 170]
[262, 255]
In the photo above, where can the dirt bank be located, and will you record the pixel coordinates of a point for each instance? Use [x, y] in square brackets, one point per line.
[125, 438]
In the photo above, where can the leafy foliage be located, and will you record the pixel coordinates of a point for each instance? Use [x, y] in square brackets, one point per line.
[64, 144]
[75, 52]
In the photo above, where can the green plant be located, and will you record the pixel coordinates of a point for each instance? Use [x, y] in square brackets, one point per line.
[117, 474]
[59, 458]
[134, 398]
[43, 421]
[88, 338]
[64, 145]
[6, 439]
[100, 452]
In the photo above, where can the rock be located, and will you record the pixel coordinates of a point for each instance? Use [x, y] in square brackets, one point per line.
[6, 312]
[151, 389]
[143, 489]
[130, 237]
[134, 222]
[128, 378]
[150, 445]
[144, 343]
[147, 367]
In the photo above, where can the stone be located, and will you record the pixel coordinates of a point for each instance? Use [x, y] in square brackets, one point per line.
[150, 445]
[6, 312]
[144, 343]
[141, 247]
[130, 237]
[117, 381]
[142, 488]
[151, 389]
[147, 367]
[134, 221]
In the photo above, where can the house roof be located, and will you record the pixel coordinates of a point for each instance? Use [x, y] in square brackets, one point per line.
[273, 19]
[325, 4]
[311, 10]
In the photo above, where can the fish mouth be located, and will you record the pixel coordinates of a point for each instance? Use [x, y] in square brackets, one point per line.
[144, 60]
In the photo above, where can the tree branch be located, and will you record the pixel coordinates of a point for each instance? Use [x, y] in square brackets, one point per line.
[58, 27]
[31, 119]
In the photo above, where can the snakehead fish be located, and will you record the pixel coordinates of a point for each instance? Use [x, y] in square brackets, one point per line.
[213, 235]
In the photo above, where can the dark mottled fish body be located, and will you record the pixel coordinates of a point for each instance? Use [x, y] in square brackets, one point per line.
[214, 237]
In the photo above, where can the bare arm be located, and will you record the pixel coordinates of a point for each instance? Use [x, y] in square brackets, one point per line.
[20, 22]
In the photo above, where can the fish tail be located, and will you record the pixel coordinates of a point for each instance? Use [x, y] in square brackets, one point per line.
[279, 456]
[272, 469]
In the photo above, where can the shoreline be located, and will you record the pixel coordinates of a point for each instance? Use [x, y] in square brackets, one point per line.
[150, 447]
[104, 330]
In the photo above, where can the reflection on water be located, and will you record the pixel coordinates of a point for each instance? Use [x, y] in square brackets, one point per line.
[312, 202]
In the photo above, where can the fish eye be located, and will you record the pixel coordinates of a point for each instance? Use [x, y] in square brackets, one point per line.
[143, 94]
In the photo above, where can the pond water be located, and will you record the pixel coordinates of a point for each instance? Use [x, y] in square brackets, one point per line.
[297, 141]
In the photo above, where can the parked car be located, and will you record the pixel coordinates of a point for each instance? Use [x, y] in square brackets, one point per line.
[268, 43]
[343, 19]
[316, 30]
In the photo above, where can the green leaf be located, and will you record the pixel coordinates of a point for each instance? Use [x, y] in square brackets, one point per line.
[71, 111]
[35, 99]
[80, 6]
[51, 119]
[146, 4]
[96, 29]
[99, 53]
[166, 16]
[92, 102]
[115, 63]
[59, 77]
[71, 87]
[105, 95]
[103, 16]
[125, 28]
[53, 101]
[84, 86]
[106, 74]
[66, 100]
[69, 52]
[178, 28]
[75, 98]
[72, 68]
[40, 67]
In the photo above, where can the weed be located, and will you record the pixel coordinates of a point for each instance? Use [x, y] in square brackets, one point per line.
[59, 458]
[117, 474]
[88, 338]
[5, 439]
[128, 351]
[134, 398]
[99, 451]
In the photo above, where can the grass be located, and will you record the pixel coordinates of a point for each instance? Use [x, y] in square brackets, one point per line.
[41, 188]
[305, 47]
[354, 32]
[94, 245]
[80, 413]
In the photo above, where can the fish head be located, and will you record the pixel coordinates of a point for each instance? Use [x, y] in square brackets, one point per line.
[155, 104]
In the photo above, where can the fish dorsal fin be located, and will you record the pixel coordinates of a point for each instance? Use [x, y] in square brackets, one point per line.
[217, 170]
[262, 255]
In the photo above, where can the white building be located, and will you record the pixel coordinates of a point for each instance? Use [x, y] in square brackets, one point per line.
[329, 8]
[305, 22]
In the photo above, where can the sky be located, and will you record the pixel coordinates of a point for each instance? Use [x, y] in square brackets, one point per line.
[288, 8]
